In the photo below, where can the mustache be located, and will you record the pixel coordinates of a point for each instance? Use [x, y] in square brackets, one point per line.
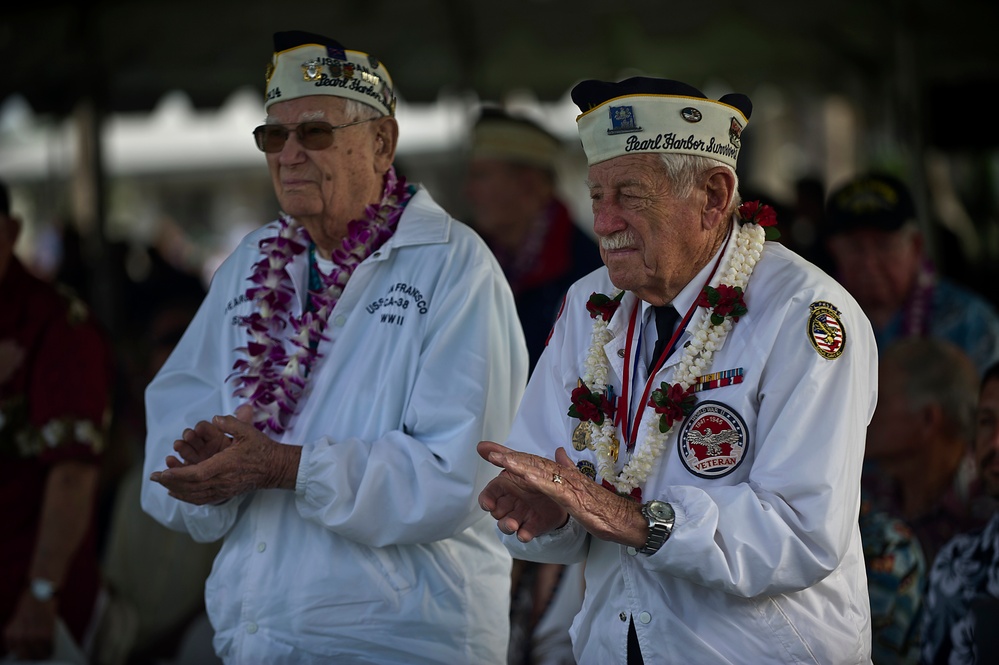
[618, 240]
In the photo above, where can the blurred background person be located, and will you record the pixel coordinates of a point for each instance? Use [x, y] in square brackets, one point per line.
[512, 191]
[918, 462]
[962, 602]
[878, 254]
[55, 381]
[156, 612]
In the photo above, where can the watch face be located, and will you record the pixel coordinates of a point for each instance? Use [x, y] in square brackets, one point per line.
[661, 511]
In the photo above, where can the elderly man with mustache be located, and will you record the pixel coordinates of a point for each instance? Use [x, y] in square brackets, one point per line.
[695, 429]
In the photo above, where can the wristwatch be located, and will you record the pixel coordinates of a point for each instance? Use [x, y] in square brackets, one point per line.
[660, 515]
[42, 589]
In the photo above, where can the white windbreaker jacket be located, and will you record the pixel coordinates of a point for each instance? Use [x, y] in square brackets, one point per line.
[381, 554]
[765, 563]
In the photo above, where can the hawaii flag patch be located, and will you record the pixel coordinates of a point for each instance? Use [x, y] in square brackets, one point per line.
[825, 329]
[713, 440]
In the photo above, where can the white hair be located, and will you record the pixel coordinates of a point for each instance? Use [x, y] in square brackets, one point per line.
[685, 171]
[357, 110]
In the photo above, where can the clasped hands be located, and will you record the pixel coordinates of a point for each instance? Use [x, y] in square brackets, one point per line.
[533, 496]
[224, 458]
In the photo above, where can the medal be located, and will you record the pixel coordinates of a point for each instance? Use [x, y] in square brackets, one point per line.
[581, 438]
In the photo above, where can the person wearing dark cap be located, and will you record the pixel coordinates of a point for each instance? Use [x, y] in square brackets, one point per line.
[511, 188]
[705, 463]
[320, 413]
[878, 252]
[55, 386]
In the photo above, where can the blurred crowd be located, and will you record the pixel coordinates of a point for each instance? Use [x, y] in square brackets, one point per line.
[934, 430]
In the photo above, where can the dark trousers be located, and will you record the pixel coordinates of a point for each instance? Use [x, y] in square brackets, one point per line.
[634, 651]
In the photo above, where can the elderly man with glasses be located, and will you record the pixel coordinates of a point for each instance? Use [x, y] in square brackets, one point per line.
[321, 412]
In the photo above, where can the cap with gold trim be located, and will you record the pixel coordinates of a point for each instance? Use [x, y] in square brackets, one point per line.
[652, 115]
[305, 64]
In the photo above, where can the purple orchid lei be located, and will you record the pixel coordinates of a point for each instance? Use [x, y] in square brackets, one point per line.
[270, 379]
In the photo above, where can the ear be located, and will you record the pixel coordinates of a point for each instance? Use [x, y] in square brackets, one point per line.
[719, 188]
[386, 140]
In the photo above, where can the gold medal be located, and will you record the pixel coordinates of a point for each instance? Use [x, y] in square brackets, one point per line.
[615, 446]
[581, 437]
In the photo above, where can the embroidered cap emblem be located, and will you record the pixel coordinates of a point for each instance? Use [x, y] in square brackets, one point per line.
[713, 441]
[825, 330]
[735, 133]
[690, 114]
[623, 120]
[336, 52]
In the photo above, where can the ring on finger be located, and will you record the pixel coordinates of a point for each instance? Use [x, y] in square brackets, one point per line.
[556, 478]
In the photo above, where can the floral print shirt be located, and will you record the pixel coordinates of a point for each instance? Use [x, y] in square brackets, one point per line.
[964, 578]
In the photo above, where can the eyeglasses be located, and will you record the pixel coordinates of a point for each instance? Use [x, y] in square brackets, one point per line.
[313, 135]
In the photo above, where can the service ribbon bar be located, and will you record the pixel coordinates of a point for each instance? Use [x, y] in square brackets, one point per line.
[718, 379]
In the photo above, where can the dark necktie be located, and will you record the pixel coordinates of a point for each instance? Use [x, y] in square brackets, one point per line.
[666, 317]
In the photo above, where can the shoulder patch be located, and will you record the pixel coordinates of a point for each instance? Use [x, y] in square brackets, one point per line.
[713, 441]
[825, 330]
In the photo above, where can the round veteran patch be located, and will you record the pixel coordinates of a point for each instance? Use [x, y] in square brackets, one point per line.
[713, 440]
[825, 329]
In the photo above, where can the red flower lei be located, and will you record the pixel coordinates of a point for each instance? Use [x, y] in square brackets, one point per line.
[725, 301]
[673, 403]
[589, 406]
[603, 306]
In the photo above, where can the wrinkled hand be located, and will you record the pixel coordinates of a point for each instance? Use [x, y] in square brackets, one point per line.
[203, 441]
[528, 499]
[249, 461]
[30, 632]
[515, 504]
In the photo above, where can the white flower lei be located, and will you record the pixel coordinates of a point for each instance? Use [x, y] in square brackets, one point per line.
[705, 339]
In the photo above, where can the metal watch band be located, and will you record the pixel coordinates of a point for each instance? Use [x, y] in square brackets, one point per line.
[660, 518]
[657, 536]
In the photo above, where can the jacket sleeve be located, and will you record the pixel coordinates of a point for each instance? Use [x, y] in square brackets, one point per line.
[187, 389]
[791, 523]
[420, 483]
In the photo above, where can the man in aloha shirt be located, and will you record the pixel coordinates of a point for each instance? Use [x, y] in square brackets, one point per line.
[962, 600]
[896, 578]
[55, 391]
